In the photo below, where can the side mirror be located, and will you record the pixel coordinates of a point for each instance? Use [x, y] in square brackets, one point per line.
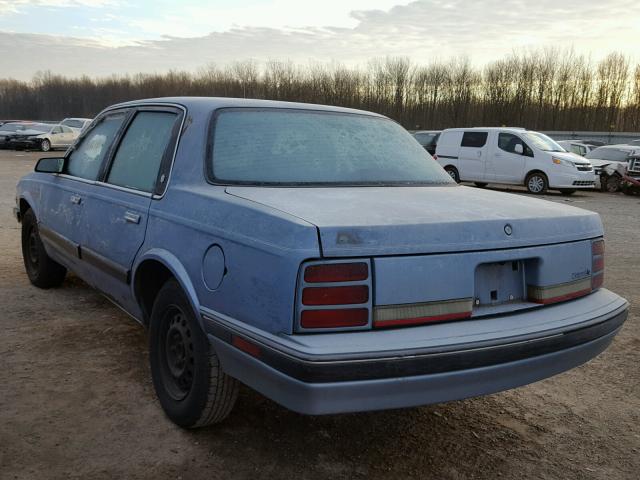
[518, 149]
[50, 165]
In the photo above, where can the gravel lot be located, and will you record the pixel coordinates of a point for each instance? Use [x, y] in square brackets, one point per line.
[76, 399]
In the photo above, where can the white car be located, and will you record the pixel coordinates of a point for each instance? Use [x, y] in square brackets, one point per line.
[578, 148]
[512, 156]
[77, 124]
[44, 137]
[610, 155]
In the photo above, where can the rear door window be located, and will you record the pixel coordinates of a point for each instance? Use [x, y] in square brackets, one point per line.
[474, 139]
[85, 161]
[137, 161]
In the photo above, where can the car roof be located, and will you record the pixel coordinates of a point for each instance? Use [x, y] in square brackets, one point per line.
[485, 129]
[621, 146]
[214, 103]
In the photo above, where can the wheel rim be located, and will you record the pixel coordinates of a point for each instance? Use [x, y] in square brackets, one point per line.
[45, 146]
[32, 248]
[452, 174]
[176, 354]
[536, 184]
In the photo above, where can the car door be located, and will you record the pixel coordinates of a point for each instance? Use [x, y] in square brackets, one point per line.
[56, 136]
[68, 136]
[63, 197]
[116, 212]
[471, 158]
[508, 165]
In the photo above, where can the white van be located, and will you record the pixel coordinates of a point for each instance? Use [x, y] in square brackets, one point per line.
[512, 156]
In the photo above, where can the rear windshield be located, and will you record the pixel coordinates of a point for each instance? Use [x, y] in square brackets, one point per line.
[612, 154]
[302, 147]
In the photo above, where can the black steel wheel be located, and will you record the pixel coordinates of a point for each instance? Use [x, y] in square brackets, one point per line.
[191, 386]
[43, 272]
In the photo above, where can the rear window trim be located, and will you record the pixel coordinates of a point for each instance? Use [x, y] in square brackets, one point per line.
[209, 159]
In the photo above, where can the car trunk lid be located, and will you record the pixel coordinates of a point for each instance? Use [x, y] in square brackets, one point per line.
[381, 221]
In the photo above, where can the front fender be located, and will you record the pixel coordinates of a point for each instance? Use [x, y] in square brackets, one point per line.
[173, 264]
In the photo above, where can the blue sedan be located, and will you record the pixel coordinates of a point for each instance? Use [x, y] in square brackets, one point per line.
[316, 254]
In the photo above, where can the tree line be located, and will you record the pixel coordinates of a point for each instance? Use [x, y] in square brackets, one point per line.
[543, 90]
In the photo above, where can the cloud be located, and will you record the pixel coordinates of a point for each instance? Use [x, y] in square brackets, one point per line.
[422, 30]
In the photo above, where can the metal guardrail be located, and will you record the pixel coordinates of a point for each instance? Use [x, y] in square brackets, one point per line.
[610, 138]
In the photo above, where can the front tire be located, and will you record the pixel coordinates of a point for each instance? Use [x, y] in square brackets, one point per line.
[613, 184]
[45, 146]
[453, 173]
[190, 384]
[43, 272]
[536, 183]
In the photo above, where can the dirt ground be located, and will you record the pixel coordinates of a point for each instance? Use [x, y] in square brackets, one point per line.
[76, 399]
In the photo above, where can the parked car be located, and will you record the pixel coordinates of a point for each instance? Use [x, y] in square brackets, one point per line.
[512, 156]
[428, 139]
[634, 143]
[578, 148]
[43, 136]
[11, 128]
[316, 254]
[77, 124]
[601, 157]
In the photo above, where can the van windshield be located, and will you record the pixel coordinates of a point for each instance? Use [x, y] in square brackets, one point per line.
[305, 147]
[542, 142]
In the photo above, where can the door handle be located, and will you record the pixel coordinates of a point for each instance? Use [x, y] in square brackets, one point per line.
[75, 199]
[132, 217]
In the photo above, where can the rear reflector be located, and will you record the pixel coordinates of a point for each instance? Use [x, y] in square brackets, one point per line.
[336, 272]
[335, 295]
[560, 292]
[414, 314]
[246, 346]
[348, 317]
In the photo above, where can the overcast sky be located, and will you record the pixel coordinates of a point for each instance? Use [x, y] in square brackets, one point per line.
[103, 37]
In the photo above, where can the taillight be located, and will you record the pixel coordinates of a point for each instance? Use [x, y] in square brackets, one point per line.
[336, 272]
[348, 317]
[597, 264]
[335, 295]
[435, 157]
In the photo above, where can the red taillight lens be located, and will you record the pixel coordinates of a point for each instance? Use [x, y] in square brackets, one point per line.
[597, 265]
[597, 247]
[335, 295]
[351, 317]
[336, 272]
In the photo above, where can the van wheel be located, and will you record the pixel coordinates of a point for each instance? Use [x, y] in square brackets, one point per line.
[43, 272]
[536, 183]
[190, 384]
[480, 184]
[566, 191]
[453, 173]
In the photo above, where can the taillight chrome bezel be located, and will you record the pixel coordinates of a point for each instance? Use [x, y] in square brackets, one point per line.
[302, 284]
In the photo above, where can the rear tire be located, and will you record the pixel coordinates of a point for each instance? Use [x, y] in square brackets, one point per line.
[453, 173]
[566, 191]
[190, 384]
[536, 183]
[43, 272]
[45, 146]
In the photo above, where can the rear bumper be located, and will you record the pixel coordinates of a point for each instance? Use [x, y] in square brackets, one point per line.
[314, 383]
